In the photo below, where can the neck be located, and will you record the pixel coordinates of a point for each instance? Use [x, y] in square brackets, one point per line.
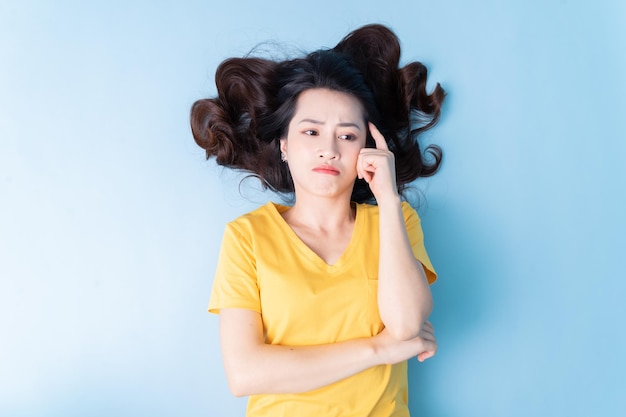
[320, 213]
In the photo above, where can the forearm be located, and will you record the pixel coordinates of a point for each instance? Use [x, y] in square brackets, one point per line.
[404, 297]
[254, 367]
[274, 369]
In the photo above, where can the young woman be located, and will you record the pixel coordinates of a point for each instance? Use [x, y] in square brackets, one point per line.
[321, 303]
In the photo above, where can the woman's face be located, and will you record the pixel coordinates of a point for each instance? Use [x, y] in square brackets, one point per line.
[323, 142]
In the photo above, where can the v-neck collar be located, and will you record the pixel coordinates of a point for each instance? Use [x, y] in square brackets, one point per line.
[276, 210]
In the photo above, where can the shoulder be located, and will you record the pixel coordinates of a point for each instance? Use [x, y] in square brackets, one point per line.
[261, 218]
[410, 214]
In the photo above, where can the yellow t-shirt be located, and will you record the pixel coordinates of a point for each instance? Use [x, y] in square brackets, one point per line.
[264, 266]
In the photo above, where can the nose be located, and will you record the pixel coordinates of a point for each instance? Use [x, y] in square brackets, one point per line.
[328, 149]
[327, 155]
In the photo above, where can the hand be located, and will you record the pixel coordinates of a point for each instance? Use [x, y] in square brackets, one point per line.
[428, 333]
[377, 167]
[391, 350]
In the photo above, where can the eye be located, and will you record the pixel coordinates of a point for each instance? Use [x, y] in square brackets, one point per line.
[310, 132]
[347, 137]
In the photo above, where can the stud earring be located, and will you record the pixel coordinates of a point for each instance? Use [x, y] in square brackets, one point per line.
[283, 157]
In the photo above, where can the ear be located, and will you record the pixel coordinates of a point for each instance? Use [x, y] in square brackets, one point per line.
[283, 145]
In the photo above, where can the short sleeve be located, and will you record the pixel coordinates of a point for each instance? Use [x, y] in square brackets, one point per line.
[235, 284]
[416, 238]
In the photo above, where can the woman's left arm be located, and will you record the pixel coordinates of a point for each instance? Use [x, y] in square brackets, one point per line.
[404, 297]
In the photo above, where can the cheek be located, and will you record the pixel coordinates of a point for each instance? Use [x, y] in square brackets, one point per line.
[354, 151]
[351, 161]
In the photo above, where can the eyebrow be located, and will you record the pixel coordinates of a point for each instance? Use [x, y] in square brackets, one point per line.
[317, 122]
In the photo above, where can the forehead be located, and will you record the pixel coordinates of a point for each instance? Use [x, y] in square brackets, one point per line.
[324, 104]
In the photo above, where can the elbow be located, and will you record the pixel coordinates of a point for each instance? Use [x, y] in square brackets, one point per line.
[237, 393]
[408, 328]
[404, 328]
[404, 332]
[239, 383]
[237, 387]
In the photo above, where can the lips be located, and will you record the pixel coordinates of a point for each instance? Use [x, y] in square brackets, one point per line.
[326, 169]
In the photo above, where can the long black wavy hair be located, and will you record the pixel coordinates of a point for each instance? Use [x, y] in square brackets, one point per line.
[256, 100]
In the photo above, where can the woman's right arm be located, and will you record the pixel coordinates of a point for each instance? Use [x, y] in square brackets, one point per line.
[254, 367]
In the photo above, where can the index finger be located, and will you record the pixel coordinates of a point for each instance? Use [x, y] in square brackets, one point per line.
[381, 143]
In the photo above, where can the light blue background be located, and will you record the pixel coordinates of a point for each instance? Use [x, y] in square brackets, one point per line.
[110, 219]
